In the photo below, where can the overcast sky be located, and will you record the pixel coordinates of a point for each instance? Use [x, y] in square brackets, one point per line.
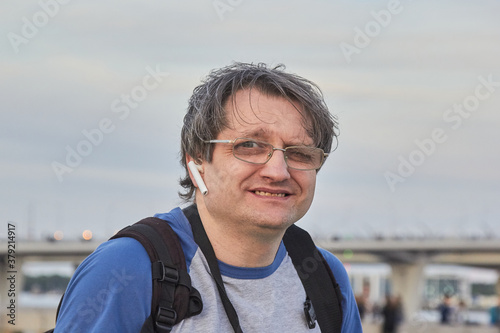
[415, 86]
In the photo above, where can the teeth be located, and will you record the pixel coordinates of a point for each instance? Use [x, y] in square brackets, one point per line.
[267, 194]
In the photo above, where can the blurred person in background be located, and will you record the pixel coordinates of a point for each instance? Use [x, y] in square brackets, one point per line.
[392, 314]
[445, 310]
[495, 315]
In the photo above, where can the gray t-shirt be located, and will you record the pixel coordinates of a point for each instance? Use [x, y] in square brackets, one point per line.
[264, 303]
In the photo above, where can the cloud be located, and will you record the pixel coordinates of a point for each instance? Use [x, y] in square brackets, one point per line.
[393, 93]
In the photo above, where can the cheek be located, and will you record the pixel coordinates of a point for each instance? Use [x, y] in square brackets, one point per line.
[307, 183]
[313, 187]
[312, 191]
[310, 181]
[227, 174]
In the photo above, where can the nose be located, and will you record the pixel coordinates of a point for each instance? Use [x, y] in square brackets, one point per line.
[276, 168]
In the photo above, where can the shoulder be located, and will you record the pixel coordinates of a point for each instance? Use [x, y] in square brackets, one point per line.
[336, 266]
[122, 254]
[103, 293]
[351, 321]
[181, 226]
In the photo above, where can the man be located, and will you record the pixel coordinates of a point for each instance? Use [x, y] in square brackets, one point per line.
[258, 136]
[495, 315]
[446, 310]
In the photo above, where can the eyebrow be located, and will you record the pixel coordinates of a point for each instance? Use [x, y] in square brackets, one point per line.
[258, 133]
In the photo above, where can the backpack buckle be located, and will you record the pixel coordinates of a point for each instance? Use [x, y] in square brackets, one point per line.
[165, 318]
[310, 314]
[168, 274]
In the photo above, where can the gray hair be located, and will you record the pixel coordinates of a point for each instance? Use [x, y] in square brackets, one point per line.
[206, 116]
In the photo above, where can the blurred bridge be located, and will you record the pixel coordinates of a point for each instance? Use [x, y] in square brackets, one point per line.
[470, 252]
[407, 258]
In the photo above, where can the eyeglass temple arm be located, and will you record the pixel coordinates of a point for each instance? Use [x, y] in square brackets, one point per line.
[219, 141]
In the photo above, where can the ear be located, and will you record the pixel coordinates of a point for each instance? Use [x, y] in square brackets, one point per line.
[198, 162]
[198, 166]
[195, 171]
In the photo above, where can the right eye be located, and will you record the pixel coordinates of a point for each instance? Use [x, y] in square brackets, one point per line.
[247, 144]
[250, 147]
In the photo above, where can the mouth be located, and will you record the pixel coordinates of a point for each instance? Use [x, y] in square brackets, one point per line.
[269, 194]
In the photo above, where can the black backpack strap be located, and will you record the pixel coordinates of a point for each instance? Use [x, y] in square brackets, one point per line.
[173, 296]
[201, 238]
[319, 283]
[317, 278]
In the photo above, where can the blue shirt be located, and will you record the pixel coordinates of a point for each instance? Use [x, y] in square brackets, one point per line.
[111, 291]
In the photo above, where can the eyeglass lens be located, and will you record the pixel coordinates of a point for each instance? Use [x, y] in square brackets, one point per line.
[259, 152]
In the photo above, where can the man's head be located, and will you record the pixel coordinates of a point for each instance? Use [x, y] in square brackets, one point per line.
[207, 114]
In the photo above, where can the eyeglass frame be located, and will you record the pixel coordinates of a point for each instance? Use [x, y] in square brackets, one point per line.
[325, 155]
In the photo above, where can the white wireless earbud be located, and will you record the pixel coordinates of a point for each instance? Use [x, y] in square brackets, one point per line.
[197, 177]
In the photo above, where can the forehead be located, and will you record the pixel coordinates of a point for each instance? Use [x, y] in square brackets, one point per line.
[251, 113]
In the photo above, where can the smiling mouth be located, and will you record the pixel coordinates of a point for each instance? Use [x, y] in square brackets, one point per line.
[267, 194]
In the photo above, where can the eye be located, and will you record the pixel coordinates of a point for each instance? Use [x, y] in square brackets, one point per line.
[300, 155]
[248, 144]
[250, 147]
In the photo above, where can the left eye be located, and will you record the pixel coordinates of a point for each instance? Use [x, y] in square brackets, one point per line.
[298, 155]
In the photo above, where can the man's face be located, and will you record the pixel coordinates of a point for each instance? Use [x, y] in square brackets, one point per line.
[259, 198]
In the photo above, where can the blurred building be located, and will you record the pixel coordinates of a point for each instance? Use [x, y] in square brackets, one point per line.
[475, 286]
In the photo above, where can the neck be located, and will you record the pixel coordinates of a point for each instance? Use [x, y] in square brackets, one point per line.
[236, 246]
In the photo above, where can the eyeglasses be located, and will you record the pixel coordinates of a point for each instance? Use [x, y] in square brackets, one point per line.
[260, 152]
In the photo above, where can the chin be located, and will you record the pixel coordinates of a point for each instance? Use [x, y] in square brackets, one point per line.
[277, 222]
